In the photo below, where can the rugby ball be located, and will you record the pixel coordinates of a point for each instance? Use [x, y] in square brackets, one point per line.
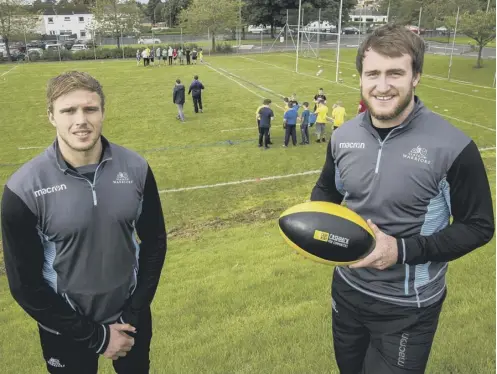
[327, 233]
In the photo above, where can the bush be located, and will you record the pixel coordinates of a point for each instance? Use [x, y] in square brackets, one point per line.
[224, 47]
[117, 53]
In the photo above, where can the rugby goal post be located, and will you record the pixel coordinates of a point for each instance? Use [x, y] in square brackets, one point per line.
[309, 40]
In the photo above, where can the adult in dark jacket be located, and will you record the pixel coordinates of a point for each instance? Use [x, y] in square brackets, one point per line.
[196, 90]
[179, 99]
[83, 276]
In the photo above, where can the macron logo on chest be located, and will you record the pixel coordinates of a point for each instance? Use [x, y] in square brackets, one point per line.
[122, 178]
[352, 145]
[44, 191]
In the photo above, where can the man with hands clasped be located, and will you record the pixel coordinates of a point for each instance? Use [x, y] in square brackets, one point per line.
[71, 219]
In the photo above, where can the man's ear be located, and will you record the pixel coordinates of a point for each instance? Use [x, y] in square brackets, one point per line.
[416, 79]
[51, 118]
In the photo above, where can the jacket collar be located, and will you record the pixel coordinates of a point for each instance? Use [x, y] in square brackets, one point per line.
[54, 150]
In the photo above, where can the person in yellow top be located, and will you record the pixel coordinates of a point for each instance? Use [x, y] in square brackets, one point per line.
[258, 119]
[338, 115]
[322, 115]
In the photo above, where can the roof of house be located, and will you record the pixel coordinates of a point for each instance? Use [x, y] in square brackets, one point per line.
[65, 12]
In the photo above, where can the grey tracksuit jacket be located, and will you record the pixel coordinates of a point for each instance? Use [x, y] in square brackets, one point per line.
[410, 184]
[72, 257]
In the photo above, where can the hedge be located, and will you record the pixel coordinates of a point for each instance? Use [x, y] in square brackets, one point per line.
[112, 53]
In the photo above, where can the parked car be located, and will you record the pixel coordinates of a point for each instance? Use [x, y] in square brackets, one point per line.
[79, 47]
[350, 30]
[149, 41]
[36, 44]
[54, 47]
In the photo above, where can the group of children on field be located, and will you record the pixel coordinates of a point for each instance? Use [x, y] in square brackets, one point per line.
[308, 118]
[171, 54]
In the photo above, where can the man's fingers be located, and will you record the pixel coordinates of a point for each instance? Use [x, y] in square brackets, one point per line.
[368, 260]
[373, 227]
[125, 327]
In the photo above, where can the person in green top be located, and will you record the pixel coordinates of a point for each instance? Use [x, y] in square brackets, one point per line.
[181, 56]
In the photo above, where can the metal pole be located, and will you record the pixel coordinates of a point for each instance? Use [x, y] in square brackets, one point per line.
[122, 45]
[360, 26]
[181, 40]
[493, 84]
[94, 43]
[286, 30]
[26, 42]
[338, 39]
[240, 28]
[453, 43]
[319, 29]
[388, 12]
[298, 38]
[262, 32]
[488, 5]
[302, 39]
[419, 21]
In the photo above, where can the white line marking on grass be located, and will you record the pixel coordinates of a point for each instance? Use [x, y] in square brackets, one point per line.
[240, 129]
[307, 75]
[240, 84]
[30, 147]
[252, 180]
[464, 83]
[456, 92]
[463, 121]
[262, 179]
[8, 71]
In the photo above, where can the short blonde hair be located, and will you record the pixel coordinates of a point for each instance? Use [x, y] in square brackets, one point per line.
[71, 81]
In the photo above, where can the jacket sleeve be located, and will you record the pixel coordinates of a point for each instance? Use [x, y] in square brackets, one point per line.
[152, 233]
[325, 188]
[473, 218]
[24, 258]
[190, 89]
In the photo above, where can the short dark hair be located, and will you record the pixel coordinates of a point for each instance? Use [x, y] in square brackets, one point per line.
[71, 81]
[321, 89]
[285, 99]
[393, 40]
[195, 77]
[266, 101]
[305, 103]
[178, 81]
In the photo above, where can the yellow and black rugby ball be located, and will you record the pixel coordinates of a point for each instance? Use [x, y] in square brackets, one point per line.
[327, 233]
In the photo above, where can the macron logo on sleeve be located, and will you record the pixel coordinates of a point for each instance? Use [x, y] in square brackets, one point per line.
[44, 191]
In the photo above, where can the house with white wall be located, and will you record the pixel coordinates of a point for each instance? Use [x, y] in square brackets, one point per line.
[67, 23]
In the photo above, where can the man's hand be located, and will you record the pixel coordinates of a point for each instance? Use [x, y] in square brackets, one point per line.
[120, 343]
[384, 254]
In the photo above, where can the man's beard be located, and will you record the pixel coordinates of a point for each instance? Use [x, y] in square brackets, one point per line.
[399, 108]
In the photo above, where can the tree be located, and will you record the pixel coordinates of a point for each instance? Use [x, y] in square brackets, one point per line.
[116, 18]
[214, 16]
[10, 12]
[172, 10]
[273, 12]
[479, 26]
[151, 10]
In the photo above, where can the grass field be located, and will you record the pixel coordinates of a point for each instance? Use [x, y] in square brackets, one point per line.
[233, 297]
[459, 40]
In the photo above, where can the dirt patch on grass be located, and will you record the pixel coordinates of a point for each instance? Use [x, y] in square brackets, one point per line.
[193, 230]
